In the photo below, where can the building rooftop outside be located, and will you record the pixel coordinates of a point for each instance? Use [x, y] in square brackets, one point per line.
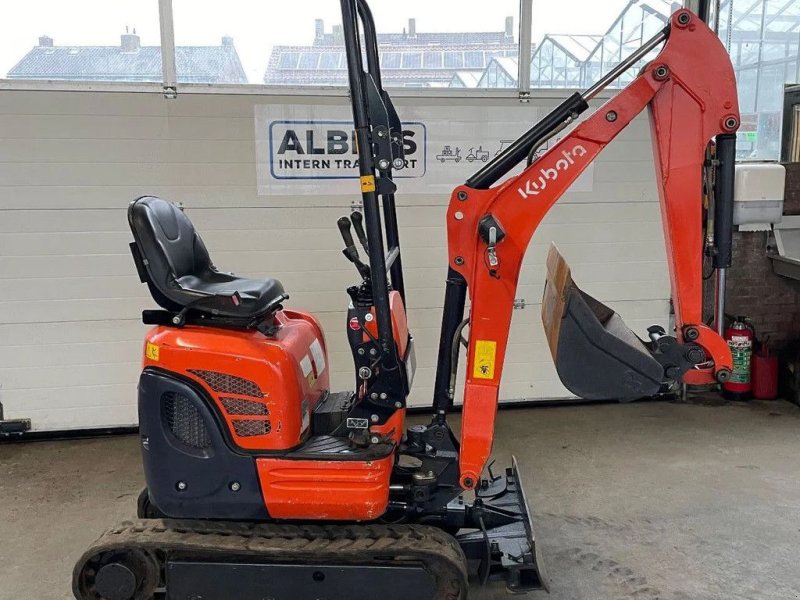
[408, 59]
[130, 61]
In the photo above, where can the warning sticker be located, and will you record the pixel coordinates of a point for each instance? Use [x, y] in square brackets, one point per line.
[151, 351]
[485, 352]
[318, 356]
[308, 370]
[367, 183]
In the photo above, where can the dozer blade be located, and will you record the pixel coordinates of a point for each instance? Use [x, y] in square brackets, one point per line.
[502, 538]
[597, 357]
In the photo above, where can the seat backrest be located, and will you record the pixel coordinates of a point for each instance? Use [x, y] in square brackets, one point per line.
[169, 245]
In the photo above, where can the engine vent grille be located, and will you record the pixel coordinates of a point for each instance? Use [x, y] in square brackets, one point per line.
[237, 406]
[250, 428]
[184, 421]
[228, 384]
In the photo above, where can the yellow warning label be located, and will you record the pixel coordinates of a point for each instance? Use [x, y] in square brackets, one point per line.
[485, 351]
[367, 183]
[151, 351]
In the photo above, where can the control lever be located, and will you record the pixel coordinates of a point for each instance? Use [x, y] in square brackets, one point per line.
[358, 225]
[350, 251]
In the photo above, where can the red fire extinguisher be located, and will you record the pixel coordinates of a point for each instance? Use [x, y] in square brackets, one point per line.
[739, 336]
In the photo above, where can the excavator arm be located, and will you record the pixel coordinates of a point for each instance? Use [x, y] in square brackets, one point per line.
[690, 91]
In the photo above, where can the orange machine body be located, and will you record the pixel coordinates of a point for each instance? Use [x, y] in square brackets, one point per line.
[399, 323]
[344, 490]
[354, 490]
[341, 490]
[264, 387]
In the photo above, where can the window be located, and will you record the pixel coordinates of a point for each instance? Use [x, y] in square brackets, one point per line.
[252, 42]
[762, 39]
[447, 42]
[790, 151]
[432, 60]
[390, 60]
[330, 60]
[309, 60]
[454, 60]
[746, 80]
[501, 73]
[603, 35]
[54, 40]
[770, 98]
[473, 60]
[288, 60]
[412, 60]
[422, 43]
[491, 77]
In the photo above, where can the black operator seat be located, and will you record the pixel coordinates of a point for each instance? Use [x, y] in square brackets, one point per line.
[175, 264]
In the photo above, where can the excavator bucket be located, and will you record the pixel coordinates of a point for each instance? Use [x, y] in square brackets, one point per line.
[597, 357]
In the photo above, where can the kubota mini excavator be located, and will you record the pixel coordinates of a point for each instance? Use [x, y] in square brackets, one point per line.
[263, 483]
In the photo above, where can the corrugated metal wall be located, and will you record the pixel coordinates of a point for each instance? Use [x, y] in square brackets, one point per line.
[70, 336]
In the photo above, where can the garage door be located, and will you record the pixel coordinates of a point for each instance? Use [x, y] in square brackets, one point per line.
[70, 336]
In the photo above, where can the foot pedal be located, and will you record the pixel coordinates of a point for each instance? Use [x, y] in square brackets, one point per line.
[596, 355]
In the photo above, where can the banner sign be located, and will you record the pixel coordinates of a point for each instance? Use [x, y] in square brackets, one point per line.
[318, 149]
[310, 148]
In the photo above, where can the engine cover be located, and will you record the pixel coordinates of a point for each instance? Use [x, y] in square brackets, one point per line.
[264, 387]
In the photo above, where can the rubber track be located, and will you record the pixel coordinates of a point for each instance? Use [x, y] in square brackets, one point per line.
[295, 544]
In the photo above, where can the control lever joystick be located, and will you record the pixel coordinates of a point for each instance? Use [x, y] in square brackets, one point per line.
[350, 251]
[358, 224]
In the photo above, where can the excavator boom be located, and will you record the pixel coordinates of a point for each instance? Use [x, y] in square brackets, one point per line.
[690, 91]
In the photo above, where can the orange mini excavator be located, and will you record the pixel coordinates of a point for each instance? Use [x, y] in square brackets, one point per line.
[264, 484]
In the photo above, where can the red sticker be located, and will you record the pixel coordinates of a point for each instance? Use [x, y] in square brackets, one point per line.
[354, 324]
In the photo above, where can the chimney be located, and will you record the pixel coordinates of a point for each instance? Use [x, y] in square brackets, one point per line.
[412, 28]
[510, 27]
[338, 36]
[227, 41]
[130, 42]
[45, 41]
[319, 29]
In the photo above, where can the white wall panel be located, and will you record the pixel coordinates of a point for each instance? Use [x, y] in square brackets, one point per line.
[70, 339]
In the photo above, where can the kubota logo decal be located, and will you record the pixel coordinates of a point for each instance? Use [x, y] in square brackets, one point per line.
[533, 188]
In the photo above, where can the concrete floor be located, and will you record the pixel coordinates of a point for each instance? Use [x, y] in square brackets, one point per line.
[641, 501]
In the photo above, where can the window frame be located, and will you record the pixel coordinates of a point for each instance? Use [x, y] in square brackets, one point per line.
[522, 92]
[170, 87]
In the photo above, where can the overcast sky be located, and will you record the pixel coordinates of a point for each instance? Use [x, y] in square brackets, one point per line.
[256, 25]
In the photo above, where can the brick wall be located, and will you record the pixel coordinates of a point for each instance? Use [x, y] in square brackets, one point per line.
[772, 302]
[792, 206]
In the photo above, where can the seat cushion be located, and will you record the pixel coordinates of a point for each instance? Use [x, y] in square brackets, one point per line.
[179, 271]
[255, 294]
